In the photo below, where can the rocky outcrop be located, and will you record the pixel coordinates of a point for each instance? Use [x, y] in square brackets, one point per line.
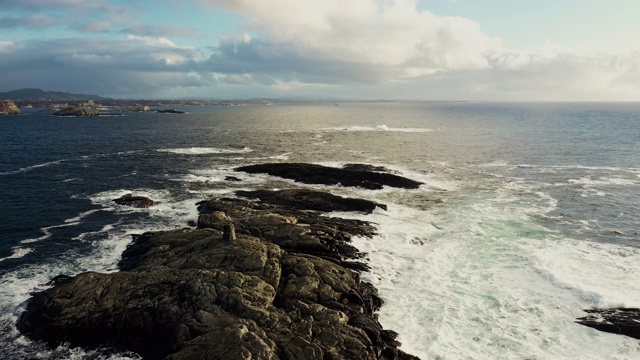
[318, 174]
[134, 201]
[278, 284]
[77, 111]
[8, 107]
[311, 200]
[624, 321]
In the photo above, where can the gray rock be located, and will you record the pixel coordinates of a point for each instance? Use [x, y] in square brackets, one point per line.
[624, 321]
[302, 199]
[134, 201]
[354, 176]
[285, 288]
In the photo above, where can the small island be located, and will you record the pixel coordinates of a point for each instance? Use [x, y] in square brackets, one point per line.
[8, 107]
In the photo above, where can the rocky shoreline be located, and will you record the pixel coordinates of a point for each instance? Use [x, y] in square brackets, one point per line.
[265, 277]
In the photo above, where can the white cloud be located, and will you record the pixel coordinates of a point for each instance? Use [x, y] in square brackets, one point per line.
[393, 45]
[387, 33]
[345, 48]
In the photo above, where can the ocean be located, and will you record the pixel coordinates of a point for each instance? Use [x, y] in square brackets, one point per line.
[529, 213]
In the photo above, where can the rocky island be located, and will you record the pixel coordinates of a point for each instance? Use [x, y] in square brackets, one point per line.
[263, 276]
[8, 107]
[368, 177]
[77, 111]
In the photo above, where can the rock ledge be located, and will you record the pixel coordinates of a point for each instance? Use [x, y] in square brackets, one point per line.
[255, 280]
[355, 175]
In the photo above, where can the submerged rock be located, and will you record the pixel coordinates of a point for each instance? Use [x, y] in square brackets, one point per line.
[624, 321]
[8, 107]
[134, 201]
[281, 286]
[77, 111]
[318, 174]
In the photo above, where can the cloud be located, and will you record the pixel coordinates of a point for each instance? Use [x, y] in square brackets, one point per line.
[29, 22]
[60, 6]
[390, 38]
[354, 48]
[133, 65]
[392, 45]
[162, 31]
[86, 16]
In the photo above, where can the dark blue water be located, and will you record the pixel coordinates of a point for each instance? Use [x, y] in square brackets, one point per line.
[547, 188]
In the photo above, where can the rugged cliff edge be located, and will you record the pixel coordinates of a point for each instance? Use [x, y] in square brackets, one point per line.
[257, 279]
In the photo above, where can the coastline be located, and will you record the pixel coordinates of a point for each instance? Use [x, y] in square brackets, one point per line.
[255, 279]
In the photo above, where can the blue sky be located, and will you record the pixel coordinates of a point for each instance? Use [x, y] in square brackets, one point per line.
[497, 50]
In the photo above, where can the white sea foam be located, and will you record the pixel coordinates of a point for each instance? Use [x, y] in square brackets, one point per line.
[598, 272]
[357, 128]
[284, 156]
[46, 231]
[588, 181]
[32, 167]
[17, 252]
[431, 182]
[206, 150]
[480, 279]
[107, 245]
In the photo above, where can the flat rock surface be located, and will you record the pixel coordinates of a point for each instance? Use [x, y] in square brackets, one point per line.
[284, 286]
[311, 200]
[624, 321]
[355, 175]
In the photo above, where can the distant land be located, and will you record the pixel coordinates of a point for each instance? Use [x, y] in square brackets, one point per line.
[30, 98]
[41, 95]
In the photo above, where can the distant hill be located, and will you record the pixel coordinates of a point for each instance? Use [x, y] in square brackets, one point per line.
[38, 94]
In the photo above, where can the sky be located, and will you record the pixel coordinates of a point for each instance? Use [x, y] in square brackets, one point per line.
[474, 50]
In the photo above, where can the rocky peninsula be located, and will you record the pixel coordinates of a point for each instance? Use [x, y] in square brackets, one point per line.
[264, 275]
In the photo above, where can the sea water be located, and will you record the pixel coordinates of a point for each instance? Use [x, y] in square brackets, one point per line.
[528, 213]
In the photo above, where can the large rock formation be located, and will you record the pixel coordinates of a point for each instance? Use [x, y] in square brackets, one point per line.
[311, 200]
[77, 111]
[8, 107]
[625, 321]
[317, 174]
[278, 284]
